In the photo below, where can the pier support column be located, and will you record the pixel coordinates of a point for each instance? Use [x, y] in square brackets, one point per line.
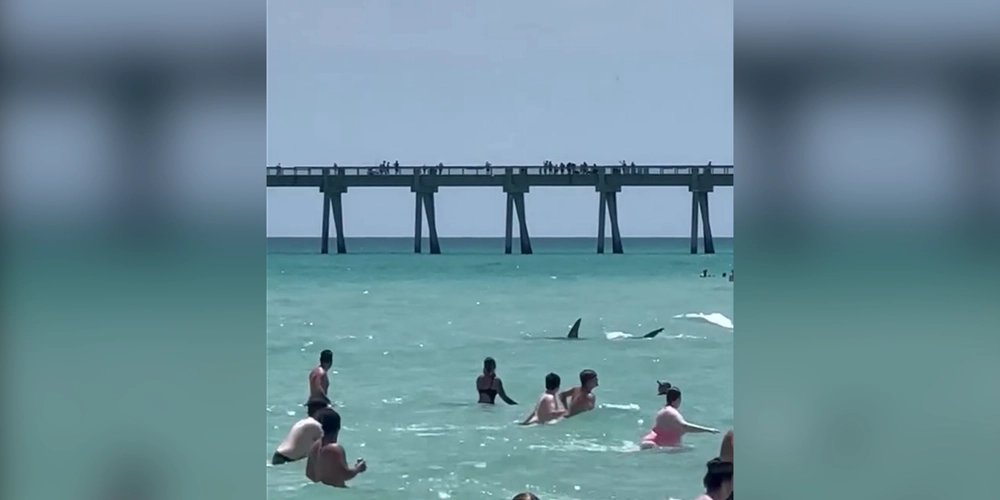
[424, 196]
[508, 242]
[336, 200]
[701, 184]
[600, 223]
[324, 236]
[431, 223]
[515, 189]
[706, 225]
[608, 186]
[417, 227]
[333, 192]
[616, 237]
[522, 222]
[694, 222]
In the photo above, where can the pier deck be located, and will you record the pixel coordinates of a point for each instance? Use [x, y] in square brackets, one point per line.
[516, 181]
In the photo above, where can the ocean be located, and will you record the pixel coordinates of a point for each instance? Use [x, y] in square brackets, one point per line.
[409, 334]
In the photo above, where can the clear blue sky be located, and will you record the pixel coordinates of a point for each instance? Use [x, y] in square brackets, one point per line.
[514, 82]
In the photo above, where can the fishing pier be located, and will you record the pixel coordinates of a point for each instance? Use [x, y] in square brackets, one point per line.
[516, 181]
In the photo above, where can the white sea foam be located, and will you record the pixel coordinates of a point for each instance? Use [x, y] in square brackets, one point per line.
[627, 407]
[617, 335]
[713, 318]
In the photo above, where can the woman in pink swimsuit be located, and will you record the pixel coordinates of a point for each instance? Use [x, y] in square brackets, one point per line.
[670, 425]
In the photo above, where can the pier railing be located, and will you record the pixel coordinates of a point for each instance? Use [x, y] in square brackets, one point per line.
[498, 170]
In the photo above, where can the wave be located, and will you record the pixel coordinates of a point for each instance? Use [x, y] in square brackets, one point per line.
[617, 335]
[588, 445]
[627, 407]
[717, 319]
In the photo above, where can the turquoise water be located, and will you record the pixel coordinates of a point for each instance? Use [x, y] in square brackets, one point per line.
[409, 333]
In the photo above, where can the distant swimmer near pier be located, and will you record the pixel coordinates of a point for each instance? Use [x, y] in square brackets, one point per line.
[574, 333]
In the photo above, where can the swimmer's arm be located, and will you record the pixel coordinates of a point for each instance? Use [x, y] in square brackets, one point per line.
[502, 393]
[694, 428]
[549, 410]
[338, 463]
[564, 396]
[530, 416]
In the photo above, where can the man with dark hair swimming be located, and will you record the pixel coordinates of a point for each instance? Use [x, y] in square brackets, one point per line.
[580, 399]
[327, 462]
[547, 409]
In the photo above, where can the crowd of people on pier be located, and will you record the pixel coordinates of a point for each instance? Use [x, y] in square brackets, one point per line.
[315, 437]
[546, 168]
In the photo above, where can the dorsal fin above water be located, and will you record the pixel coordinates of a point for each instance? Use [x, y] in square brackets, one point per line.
[574, 332]
[652, 333]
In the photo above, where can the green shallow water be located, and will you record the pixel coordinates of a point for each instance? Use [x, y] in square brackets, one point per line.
[409, 333]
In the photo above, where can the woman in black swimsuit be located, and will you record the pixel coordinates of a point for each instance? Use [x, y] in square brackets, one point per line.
[490, 386]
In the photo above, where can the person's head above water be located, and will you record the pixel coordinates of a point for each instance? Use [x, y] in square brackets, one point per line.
[588, 379]
[326, 358]
[719, 477]
[672, 393]
[552, 382]
[525, 496]
[489, 366]
[316, 404]
[329, 419]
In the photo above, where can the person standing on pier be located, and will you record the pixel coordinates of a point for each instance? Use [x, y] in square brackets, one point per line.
[490, 386]
[319, 382]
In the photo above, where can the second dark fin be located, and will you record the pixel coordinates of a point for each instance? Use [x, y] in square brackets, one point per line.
[652, 333]
[574, 333]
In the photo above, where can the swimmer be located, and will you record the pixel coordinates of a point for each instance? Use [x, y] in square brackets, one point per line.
[327, 462]
[490, 386]
[718, 480]
[525, 496]
[319, 383]
[303, 435]
[547, 409]
[670, 425]
[581, 398]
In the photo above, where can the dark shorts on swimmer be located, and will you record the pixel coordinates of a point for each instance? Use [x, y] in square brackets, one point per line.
[279, 459]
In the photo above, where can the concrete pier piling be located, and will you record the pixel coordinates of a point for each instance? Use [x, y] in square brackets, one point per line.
[702, 182]
[515, 181]
[516, 188]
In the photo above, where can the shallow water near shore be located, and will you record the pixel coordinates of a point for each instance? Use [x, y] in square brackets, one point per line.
[409, 333]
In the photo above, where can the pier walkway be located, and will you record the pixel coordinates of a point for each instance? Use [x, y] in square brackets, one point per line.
[516, 181]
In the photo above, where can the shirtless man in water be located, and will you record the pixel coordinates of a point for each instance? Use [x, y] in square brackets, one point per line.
[304, 433]
[327, 462]
[581, 398]
[319, 383]
[547, 409]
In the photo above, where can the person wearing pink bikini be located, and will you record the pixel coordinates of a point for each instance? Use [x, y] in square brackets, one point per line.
[670, 425]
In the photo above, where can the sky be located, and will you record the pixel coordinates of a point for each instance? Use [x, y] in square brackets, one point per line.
[357, 82]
